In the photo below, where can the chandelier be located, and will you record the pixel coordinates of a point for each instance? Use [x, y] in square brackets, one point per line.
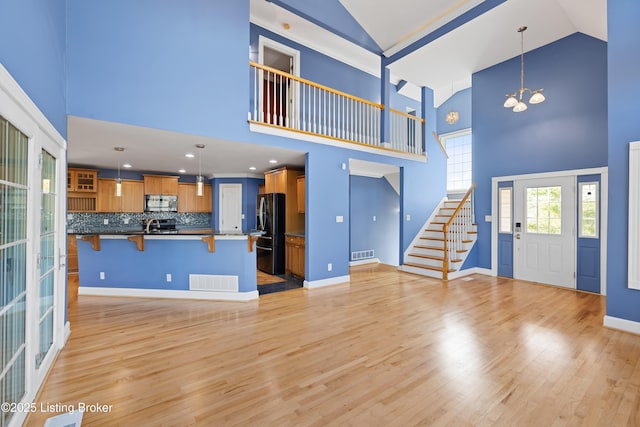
[537, 97]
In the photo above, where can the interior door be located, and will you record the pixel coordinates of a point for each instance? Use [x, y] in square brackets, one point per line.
[544, 231]
[230, 208]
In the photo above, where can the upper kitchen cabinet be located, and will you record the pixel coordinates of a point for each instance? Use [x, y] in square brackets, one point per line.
[130, 200]
[275, 181]
[82, 188]
[300, 192]
[159, 184]
[82, 180]
[189, 201]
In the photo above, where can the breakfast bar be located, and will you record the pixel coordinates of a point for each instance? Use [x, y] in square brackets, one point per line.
[191, 264]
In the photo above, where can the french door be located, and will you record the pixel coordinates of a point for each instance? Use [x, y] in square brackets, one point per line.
[544, 231]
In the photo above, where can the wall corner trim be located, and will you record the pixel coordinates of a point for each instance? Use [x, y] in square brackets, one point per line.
[162, 293]
[621, 324]
[327, 282]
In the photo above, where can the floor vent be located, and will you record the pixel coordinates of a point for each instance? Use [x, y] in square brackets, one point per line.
[213, 283]
[358, 255]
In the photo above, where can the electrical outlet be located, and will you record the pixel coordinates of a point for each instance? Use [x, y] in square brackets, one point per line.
[126, 221]
[339, 218]
[168, 277]
[408, 217]
[102, 275]
[329, 267]
[105, 221]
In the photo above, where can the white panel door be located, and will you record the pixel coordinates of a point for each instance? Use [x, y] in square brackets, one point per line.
[544, 233]
[230, 208]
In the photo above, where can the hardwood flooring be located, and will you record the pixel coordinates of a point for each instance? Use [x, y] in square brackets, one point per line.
[389, 349]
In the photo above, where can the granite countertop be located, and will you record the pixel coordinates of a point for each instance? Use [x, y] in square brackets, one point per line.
[294, 234]
[140, 232]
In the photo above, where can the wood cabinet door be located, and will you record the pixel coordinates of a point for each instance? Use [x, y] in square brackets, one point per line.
[204, 202]
[186, 197]
[107, 200]
[300, 192]
[165, 185]
[132, 196]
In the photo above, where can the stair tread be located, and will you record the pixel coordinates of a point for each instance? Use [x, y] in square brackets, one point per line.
[426, 267]
[433, 257]
[438, 239]
[433, 248]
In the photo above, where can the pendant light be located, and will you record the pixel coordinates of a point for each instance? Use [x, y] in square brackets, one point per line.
[537, 97]
[200, 178]
[118, 180]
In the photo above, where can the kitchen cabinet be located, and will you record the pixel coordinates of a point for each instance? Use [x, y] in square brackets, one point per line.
[82, 180]
[300, 192]
[284, 180]
[188, 201]
[160, 184]
[82, 187]
[131, 200]
[294, 255]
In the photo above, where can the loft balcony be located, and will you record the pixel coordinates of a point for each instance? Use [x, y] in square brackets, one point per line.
[311, 111]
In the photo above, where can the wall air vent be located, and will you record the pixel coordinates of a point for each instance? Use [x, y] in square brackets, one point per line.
[213, 283]
[358, 255]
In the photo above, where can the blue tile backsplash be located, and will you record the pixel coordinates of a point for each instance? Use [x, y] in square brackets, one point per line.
[89, 221]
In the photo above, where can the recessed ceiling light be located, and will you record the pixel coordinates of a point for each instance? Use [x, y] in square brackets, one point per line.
[126, 165]
[182, 171]
[252, 168]
[273, 161]
[190, 155]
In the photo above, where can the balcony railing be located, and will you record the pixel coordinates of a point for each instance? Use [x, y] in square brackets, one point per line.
[282, 100]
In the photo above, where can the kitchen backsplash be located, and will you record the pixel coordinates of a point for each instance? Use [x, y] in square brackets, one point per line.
[87, 221]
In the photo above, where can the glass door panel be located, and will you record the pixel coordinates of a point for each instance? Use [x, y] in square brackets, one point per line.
[13, 264]
[47, 255]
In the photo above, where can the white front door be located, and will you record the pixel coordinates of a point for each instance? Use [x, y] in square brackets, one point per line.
[230, 208]
[544, 232]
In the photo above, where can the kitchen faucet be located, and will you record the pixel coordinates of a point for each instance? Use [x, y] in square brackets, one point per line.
[150, 221]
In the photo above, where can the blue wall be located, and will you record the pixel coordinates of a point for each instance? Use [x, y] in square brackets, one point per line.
[33, 50]
[567, 131]
[375, 197]
[249, 193]
[185, 68]
[460, 102]
[624, 127]
[160, 63]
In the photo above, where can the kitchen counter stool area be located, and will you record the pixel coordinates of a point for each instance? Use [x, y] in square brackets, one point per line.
[199, 266]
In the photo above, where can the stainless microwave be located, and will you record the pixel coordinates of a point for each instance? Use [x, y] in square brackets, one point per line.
[160, 203]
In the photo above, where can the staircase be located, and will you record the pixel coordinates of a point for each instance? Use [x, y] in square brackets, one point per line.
[436, 253]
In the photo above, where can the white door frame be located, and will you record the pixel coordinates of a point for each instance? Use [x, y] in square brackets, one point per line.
[295, 54]
[220, 204]
[604, 188]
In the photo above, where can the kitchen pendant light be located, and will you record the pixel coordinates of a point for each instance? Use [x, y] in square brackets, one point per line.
[514, 100]
[200, 178]
[118, 180]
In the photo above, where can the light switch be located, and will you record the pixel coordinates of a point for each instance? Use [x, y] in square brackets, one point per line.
[487, 218]
[106, 221]
[339, 218]
[408, 217]
[126, 221]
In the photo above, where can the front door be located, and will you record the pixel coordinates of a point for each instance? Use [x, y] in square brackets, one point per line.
[544, 231]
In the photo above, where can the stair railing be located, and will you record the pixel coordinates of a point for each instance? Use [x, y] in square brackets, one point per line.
[456, 229]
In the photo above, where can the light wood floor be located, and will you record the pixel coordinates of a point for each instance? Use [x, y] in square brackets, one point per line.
[389, 349]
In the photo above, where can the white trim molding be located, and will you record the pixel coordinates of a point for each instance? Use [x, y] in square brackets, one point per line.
[340, 280]
[621, 324]
[364, 262]
[166, 293]
[470, 271]
[633, 242]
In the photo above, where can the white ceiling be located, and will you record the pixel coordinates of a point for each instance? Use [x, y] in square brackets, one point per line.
[92, 143]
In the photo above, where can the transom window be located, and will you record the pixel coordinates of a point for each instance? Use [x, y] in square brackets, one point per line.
[544, 210]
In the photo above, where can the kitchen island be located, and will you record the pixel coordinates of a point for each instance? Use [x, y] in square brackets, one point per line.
[187, 263]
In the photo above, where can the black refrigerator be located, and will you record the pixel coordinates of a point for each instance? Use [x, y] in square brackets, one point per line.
[270, 219]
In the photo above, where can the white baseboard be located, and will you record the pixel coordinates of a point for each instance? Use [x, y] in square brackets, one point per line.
[165, 293]
[622, 324]
[327, 282]
[469, 271]
[364, 261]
[67, 333]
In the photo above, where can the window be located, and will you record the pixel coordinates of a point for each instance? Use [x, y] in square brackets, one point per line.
[458, 147]
[505, 222]
[588, 210]
[544, 211]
